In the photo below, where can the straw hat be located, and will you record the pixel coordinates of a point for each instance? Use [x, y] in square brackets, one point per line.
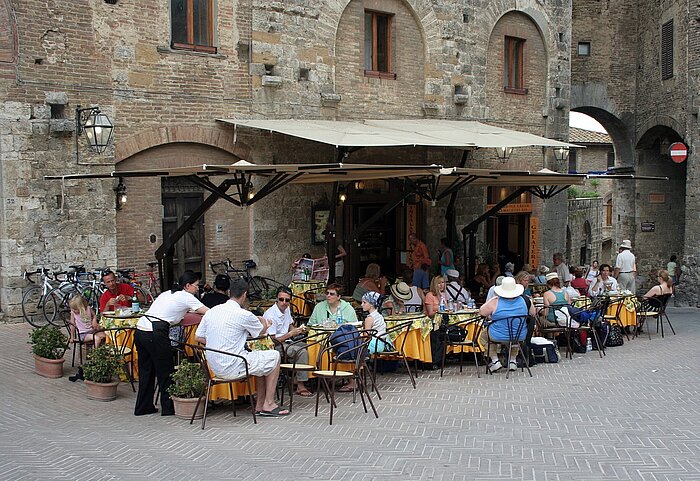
[626, 244]
[551, 275]
[401, 291]
[544, 269]
[509, 289]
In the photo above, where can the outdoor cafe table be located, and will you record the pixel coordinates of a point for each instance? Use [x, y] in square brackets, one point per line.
[299, 288]
[628, 313]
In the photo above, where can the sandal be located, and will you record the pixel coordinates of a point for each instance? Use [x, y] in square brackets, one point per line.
[305, 393]
[275, 413]
[345, 389]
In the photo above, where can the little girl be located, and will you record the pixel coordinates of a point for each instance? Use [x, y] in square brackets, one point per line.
[84, 319]
[375, 320]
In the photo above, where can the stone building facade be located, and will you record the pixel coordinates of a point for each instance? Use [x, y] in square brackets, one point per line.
[164, 90]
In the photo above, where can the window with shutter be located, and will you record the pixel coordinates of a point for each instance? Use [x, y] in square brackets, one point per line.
[667, 50]
[513, 81]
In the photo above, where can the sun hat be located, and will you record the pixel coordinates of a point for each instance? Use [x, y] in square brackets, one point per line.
[371, 297]
[401, 291]
[551, 275]
[626, 244]
[509, 289]
[544, 269]
[452, 273]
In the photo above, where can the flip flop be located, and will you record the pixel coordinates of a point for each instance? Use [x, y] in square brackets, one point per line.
[304, 393]
[275, 413]
[345, 389]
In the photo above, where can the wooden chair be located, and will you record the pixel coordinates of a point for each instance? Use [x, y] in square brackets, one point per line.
[469, 341]
[200, 354]
[392, 352]
[516, 327]
[122, 341]
[358, 343]
[290, 365]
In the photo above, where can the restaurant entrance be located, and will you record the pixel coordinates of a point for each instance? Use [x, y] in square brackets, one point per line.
[510, 231]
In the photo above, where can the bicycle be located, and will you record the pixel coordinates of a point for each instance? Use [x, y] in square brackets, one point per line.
[258, 285]
[34, 297]
[56, 306]
[131, 277]
[152, 289]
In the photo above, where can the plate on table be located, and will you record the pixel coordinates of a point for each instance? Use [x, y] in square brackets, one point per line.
[108, 313]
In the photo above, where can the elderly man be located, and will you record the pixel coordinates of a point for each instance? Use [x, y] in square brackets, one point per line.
[420, 253]
[626, 267]
[603, 282]
[117, 293]
[226, 327]
[455, 291]
[561, 268]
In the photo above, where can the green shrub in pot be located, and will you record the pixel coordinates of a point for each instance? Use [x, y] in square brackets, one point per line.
[48, 342]
[188, 381]
[102, 364]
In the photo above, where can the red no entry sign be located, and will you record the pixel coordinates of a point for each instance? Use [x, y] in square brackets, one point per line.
[678, 152]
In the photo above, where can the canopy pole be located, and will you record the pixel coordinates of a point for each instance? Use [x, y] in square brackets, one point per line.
[330, 234]
[451, 212]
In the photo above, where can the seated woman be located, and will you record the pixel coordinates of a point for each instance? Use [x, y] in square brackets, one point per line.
[329, 309]
[540, 278]
[400, 295]
[523, 278]
[415, 303]
[665, 285]
[373, 281]
[555, 296]
[435, 297]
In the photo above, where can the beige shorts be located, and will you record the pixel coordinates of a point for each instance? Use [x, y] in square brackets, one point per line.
[262, 363]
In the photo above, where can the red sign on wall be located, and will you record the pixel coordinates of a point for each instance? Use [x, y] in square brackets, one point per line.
[678, 152]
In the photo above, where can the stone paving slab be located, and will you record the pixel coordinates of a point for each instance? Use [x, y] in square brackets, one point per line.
[633, 415]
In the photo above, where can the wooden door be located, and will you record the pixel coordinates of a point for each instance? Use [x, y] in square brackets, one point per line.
[189, 250]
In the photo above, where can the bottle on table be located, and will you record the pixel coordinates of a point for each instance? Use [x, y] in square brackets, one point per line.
[589, 345]
[135, 305]
[441, 308]
[339, 317]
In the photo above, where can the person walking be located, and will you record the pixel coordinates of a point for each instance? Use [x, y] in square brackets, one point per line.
[626, 267]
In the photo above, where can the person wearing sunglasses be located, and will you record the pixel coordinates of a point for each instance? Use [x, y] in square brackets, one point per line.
[283, 331]
[328, 309]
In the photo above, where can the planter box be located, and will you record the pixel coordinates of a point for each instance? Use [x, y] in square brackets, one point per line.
[52, 368]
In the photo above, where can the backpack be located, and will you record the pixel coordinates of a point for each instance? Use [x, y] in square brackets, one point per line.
[348, 338]
[614, 338]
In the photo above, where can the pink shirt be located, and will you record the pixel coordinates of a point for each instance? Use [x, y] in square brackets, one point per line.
[84, 326]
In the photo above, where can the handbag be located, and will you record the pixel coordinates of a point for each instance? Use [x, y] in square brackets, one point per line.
[456, 333]
[614, 338]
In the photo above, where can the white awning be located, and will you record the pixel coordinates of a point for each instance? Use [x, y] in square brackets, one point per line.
[396, 133]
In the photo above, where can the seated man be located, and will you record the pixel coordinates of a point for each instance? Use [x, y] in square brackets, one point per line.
[328, 309]
[219, 295]
[421, 279]
[282, 331]
[492, 290]
[226, 327]
[508, 302]
[603, 283]
[455, 291]
[117, 293]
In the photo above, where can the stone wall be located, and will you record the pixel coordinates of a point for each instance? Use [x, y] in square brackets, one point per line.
[585, 221]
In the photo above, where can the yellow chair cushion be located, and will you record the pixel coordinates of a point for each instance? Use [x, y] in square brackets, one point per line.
[331, 373]
[298, 367]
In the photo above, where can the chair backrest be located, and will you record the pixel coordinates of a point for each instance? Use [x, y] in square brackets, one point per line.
[477, 322]
[664, 301]
[356, 342]
[120, 338]
[394, 332]
[200, 354]
[508, 329]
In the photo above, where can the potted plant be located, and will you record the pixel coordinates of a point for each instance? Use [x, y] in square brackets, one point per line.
[48, 346]
[188, 386]
[100, 368]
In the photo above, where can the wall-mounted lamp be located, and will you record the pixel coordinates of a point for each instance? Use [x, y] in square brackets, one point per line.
[503, 153]
[120, 194]
[251, 191]
[342, 194]
[359, 185]
[561, 153]
[97, 127]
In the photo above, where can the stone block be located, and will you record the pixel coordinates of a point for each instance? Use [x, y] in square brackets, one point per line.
[61, 126]
[11, 110]
[56, 98]
[272, 81]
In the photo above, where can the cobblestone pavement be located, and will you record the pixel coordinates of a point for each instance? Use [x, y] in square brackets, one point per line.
[634, 415]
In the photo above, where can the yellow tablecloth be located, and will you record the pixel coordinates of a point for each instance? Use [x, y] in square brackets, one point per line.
[417, 344]
[303, 307]
[628, 313]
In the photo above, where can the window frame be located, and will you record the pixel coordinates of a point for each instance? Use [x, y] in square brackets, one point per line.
[588, 47]
[374, 71]
[190, 45]
[513, 65]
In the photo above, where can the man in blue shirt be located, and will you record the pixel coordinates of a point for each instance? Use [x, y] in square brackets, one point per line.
[420, 277]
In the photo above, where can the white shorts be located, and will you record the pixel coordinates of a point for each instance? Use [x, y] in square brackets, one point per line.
[262, 363]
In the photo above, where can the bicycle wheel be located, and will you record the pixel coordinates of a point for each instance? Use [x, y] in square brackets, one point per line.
[56, 308]
[32, 310]
[257, 287]
[144, 294]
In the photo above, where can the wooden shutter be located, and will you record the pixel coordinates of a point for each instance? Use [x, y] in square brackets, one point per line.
[667, 50]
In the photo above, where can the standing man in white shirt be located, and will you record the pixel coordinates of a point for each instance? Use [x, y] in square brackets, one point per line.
[226, 327]
[561, 268]
[626, 267]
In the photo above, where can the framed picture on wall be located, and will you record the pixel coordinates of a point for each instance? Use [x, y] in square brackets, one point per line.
[319, 219]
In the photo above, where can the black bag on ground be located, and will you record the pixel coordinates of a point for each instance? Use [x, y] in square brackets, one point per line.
[544, 353]
[614, 338]
[575, 342]
[456, 333]
[602, 329]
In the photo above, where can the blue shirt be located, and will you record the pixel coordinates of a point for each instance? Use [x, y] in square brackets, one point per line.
[420, 279]
[498, 331]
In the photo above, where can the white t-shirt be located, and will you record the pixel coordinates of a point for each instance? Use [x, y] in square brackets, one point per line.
[625, 261]
[170, 307]
[280, 320]
[226, 327]
[378, 322]
[455, 292]
[597, 288]
[592, 273]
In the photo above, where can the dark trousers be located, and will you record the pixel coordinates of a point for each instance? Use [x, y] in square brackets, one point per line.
[155, 362]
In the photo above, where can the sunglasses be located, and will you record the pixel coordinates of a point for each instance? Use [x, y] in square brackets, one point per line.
[331, 293]
[284, 299]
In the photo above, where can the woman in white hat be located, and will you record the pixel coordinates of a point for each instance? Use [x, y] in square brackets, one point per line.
[542, 272]
[508, 302]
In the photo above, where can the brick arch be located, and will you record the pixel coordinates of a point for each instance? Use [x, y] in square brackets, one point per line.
[654, 123]
[8, 34]
[422, 11]
[497, 10]
[149, 138]
[595, 107]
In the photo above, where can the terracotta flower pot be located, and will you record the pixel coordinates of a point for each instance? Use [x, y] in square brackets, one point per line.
[184, 407]
[101, 391]
[52, 368]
